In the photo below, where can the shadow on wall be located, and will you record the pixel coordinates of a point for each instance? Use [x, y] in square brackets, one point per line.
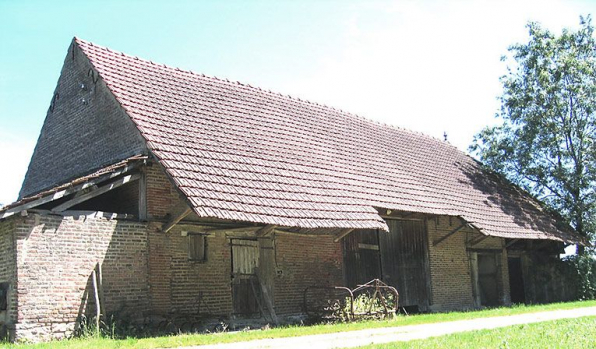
[58, 256]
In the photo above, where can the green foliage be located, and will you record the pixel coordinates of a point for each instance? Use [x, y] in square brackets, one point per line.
[171, 341]
[546, 143]
[584, 268]
[375, 306]
[366, 306]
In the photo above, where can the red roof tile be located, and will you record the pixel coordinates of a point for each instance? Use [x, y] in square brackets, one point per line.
[238, 152]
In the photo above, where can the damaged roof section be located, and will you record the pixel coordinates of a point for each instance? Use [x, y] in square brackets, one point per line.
[109, 178]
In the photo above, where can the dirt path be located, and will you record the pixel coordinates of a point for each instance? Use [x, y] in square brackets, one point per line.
[404, 333]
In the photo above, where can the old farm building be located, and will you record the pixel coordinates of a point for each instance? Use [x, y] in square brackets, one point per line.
[181, 190]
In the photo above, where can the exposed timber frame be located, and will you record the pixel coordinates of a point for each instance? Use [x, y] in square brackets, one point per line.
[342, 234]
[511, 243]
[73, 187]
[172, 222]
[477, 240]
[96, 192]
[444, 237]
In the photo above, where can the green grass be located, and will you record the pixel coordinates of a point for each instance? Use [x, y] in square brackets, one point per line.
[291, 331]
[568, 333]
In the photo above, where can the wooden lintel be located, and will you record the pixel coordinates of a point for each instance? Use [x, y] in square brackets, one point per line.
[169, 225]
[343, 233]
[510, 243]
[403, 218]
[542, 244]
[250, 229]
[441, 239]
[478, 240]
[266, 230]
[94, 193]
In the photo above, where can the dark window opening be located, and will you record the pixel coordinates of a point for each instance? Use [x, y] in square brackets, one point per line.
[197, 247]
[3, 296]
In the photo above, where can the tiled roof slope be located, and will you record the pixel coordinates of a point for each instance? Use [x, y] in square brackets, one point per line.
[242, 153]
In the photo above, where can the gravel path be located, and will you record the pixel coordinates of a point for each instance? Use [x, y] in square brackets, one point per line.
[404, 333]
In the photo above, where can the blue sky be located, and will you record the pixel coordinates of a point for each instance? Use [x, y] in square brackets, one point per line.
[429, 66]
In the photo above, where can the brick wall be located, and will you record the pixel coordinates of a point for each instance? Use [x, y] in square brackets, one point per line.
[451, 279]
[177, 283]
[162, 196]
[85, 129]
[55, 260]
[8, 273]
[304, 261]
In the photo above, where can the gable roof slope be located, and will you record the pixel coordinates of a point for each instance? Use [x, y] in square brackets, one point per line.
[242, 153]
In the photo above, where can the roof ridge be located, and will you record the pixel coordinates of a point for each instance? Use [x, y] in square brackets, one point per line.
[258, 88]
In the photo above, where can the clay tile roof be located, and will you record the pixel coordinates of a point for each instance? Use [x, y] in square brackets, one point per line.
[243, 153]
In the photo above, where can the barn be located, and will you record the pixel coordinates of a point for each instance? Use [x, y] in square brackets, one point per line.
[154, 190]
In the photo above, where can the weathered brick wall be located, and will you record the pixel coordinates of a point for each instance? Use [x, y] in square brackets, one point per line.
[450, 268]
[451, 280]
[162, 196]
[85, 129]
[55, 260]
[304, 261]
[8, 273]
[177, 283]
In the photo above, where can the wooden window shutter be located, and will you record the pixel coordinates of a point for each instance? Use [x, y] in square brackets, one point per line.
[197, 247]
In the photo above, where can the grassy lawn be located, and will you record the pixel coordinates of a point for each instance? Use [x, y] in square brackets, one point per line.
[568, 333]
[291, 331]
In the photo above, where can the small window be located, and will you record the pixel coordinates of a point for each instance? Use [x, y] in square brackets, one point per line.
[197, 247]
[3, 296]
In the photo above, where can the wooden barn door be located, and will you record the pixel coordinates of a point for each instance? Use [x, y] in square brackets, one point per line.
[245, 284]
[362, 261]
[488, 276]
[404, 261]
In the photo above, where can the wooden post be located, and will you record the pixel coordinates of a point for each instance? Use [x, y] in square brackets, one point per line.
[100, 280]
[97, 304]
[143, 196]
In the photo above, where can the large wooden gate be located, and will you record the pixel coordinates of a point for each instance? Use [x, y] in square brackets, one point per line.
[399, 258]
[404, 258]
[362, 257]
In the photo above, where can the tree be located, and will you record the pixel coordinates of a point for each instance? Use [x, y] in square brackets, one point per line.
[546, 143]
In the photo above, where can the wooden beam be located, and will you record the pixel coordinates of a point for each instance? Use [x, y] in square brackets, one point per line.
[266, 230]
[441, 239]
[478, 240]
[172, 222]
[143, 196]
[343, 233]
[510, 243]
[66, 191]
[251, 229]
[542, 244]
[94, 193]
[402, 218]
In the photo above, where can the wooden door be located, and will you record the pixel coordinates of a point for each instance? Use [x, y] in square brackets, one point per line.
[488, 272]
[362, 262]
[245, 284]
[404, 261]
[516, 280]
